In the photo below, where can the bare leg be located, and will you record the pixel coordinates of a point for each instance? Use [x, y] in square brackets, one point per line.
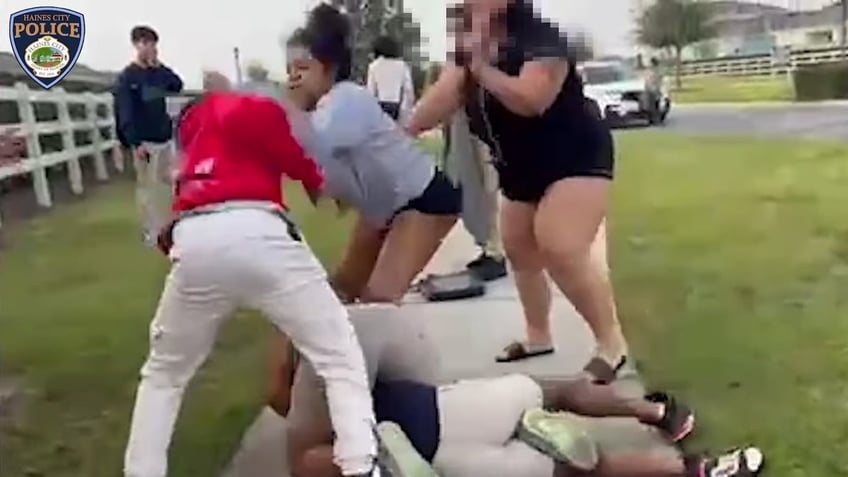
[410, 244]
[629, 465]
[281, 370]
[358, 263]
[567, 223]
[582, 396]
[528, 269]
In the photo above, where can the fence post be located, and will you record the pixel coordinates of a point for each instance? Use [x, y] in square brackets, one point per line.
[97, 139]
[40, 184]
[117, 149]
[68, 144]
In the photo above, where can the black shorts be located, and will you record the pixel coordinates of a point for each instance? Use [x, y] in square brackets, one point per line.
[440, 197]
[527, 179]
[392, 109]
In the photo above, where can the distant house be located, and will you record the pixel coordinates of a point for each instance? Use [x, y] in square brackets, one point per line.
[748, 28]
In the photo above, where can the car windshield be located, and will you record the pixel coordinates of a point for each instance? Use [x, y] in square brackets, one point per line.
[600, 74]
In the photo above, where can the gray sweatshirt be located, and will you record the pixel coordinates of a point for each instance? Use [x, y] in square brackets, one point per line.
[368, 162]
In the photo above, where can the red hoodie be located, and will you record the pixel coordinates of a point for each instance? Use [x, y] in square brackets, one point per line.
[238, 148]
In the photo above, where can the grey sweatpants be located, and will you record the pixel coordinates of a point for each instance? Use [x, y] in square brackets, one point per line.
[468, 162]
[478, 419]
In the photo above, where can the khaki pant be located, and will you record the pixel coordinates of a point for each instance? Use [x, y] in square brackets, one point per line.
[478, 420]
[493, 246]
[154, 185]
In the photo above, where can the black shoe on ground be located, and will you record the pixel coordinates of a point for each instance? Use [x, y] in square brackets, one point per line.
[747, 462]
[488, 268]
[678, 420]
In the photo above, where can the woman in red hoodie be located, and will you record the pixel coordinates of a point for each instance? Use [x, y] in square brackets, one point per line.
[232, 245]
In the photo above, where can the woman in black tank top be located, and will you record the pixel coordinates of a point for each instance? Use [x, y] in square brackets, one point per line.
[514, 73]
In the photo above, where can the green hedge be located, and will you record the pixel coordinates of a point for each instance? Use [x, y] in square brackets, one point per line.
[821, 82]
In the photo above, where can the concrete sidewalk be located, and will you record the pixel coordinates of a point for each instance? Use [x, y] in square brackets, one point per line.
[470, 333]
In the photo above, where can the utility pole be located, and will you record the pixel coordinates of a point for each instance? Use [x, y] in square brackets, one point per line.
[843, 27]
[238, 66]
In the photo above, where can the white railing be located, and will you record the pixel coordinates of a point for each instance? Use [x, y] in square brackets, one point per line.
[37, 162]
[763, 64]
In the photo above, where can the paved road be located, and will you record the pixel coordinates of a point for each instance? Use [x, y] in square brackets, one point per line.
[823, 121]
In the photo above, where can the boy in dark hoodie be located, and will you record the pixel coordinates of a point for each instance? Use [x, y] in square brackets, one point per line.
[144, 125]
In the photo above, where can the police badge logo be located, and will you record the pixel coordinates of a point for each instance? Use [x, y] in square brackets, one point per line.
[47, 42]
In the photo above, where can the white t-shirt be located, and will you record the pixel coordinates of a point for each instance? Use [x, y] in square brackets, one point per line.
[390, 80]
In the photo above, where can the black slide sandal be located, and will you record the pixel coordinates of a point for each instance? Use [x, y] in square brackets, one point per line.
[602, 371]
[519, 351]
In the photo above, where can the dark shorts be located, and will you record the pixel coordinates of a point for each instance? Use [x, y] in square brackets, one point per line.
[392, 109]
[527, 179]
[440, 197]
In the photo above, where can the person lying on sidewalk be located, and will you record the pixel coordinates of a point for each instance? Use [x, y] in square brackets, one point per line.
[405, 205]
[510, 426]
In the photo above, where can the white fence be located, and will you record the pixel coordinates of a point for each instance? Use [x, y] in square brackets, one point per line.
[96, 114]
[764, 64]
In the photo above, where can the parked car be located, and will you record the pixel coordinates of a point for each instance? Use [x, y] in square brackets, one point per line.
[622, 94]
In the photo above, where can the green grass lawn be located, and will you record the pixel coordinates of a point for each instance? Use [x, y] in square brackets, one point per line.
[77, 290]
[730, 259]
[731, 89]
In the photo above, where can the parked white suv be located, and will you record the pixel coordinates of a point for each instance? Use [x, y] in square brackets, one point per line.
[623, 94]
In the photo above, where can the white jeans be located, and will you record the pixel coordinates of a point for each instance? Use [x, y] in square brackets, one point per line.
[246, 257]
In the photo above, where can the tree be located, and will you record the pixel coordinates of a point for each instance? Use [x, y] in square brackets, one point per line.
[256, 71]
[675, 24]
[369, 19]
[403, 27]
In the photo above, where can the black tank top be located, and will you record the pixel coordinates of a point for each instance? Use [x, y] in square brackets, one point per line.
[569, 126]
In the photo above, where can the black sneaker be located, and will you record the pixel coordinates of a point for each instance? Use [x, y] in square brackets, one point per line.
[746, 462]
[488, 268]
[477, 261]
[678, 420]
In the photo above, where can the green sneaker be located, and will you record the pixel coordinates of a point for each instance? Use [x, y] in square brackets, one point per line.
[397, 456]
[559, 436]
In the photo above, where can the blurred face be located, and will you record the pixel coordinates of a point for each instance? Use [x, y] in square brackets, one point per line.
[481, 20]
[309, 79]
[146, 50]
[487, 8]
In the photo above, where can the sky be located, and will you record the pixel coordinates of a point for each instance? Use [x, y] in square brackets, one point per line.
[201, 34]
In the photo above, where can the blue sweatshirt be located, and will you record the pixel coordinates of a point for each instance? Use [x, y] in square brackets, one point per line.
[141, 113]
